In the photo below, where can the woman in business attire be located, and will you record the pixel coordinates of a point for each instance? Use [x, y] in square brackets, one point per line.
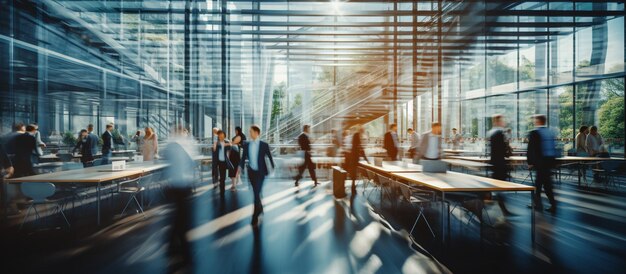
[150, 146]
[356, 153]
[235, 157]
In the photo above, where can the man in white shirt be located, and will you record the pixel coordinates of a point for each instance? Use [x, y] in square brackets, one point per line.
[430, 143]
[255, 153]
[594, 142]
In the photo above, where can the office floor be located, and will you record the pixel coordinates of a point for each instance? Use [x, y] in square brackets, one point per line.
[306, 230]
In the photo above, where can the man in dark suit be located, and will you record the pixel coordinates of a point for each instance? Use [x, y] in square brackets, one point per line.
[221, 150]
[391, 142]
[305, 146]
[93, 139]
[499, 147]
[541, 157]
[255, 153]
[25, 144]
[84, 145]
[107, 145]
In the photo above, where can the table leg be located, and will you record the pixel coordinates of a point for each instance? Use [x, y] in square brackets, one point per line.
[532, 217]
[579, 173]
[443, 201]
[449, 234]
[98, 203]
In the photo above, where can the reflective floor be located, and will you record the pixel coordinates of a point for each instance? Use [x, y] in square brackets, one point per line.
[306, 230]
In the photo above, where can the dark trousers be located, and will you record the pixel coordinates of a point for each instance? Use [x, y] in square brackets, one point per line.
[106, 158]
[214, 171]
[308, 164]
[256, 180]
[392, 154]
[181, 217]
[500, 172]
[222, 167]
[544, 179]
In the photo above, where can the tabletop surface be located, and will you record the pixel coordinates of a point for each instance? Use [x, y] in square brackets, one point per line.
[95, 174]
[460, 182]
[466, 163]
[523, 158]
[393, 167]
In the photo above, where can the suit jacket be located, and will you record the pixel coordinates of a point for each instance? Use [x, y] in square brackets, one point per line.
[107, 139]
[498, 147]
[264, 152]
[390, 145]
[93, 143]
[86, 151]
[227, 151]
[24, 146]
[357, 149]
[541, 150]
[304, 142]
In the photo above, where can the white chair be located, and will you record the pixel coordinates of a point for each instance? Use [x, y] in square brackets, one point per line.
[133, 188]
[40, 192]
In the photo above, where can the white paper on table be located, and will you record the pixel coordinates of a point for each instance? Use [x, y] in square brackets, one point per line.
[118, 165]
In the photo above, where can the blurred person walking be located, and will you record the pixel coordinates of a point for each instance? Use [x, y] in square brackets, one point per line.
[391, 142]
[305, 146]
[414, 139]
[84, 145]
[179, 154]
[255, 153]
[355, 155]
[150, 147]
[235, 159]
[25, 144]
[541, 157]
[221, 151]
[107, 145]
[500, 150]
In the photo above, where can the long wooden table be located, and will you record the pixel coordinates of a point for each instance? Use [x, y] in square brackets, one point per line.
[391, 168]
[560, 160]
[453, 182]
[93, 175]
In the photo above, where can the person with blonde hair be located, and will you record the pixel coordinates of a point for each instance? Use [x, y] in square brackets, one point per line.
[150, 146]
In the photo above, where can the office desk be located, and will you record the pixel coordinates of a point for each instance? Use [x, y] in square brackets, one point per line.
[391, 168]
[458, 182]
[93, 175]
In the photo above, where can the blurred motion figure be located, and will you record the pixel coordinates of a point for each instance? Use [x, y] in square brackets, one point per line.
[255, 153]
[180, 176]
[541, 157]
[391, 142]
[305, 146]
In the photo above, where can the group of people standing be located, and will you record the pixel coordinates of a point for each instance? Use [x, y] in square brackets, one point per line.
[226, 158]
[88, 141]
[589, 142]
[21, 149]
